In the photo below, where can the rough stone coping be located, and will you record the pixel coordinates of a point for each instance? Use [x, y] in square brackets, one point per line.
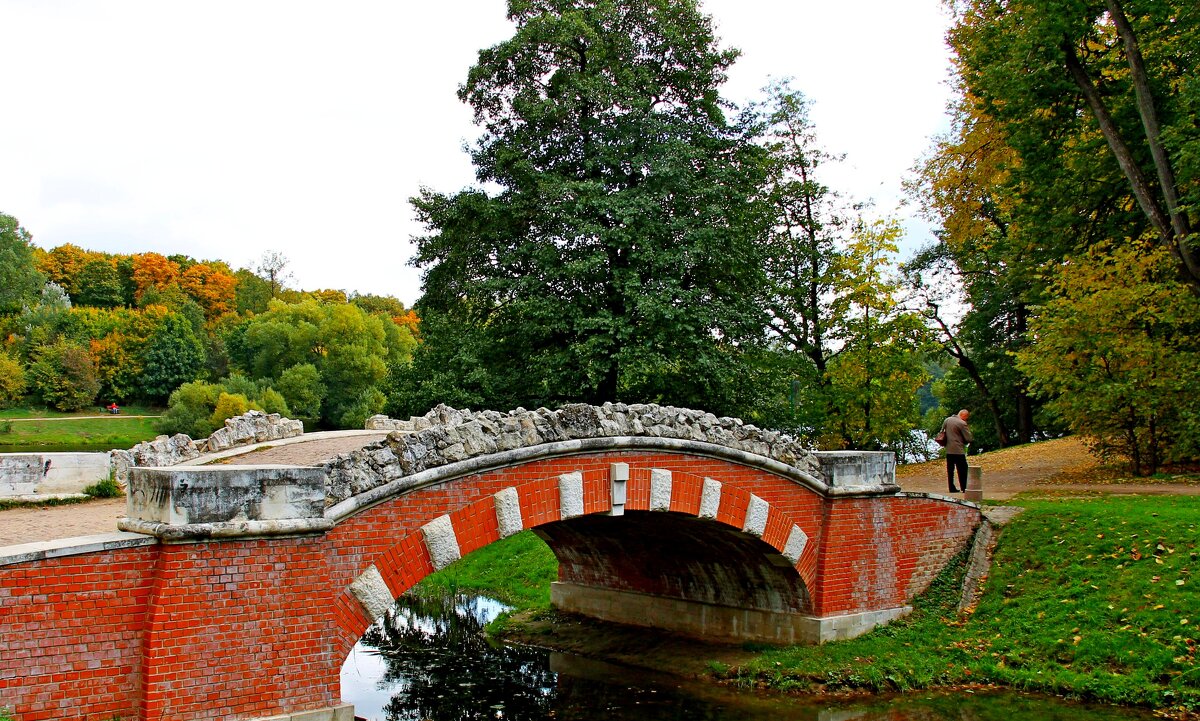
[580, 446]
[192, 532]
[940, 497]
[63, 547]
[206, 458]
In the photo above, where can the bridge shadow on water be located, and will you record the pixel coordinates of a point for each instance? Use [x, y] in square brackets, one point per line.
[430, 659]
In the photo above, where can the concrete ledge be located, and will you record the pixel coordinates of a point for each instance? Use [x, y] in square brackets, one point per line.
[580, 446]
[36, 498]
[63, 547]
[712, 622]
[341, 712]
[225, 531]
[194, 495]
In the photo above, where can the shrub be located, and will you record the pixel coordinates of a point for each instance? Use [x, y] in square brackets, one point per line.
[12, 381]
[106, 488]
[230, 405]
[64, 377]
[190, 410]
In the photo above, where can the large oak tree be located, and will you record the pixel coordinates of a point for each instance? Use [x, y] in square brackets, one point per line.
[610, 251]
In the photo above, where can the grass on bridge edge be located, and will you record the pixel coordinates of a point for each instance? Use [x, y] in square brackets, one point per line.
[1088, 598]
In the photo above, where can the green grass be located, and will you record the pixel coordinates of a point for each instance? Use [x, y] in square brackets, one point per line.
[516, 571]
[1070, 608]
[24, 429]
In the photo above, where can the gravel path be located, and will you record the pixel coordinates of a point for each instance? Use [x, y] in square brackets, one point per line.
[1059, 466]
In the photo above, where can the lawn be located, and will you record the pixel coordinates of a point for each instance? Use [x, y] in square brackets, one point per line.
[24, 429]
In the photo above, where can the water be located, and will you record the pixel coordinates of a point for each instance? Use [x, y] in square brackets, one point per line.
[430, 660]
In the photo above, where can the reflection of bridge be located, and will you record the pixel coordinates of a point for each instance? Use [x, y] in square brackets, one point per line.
[245, 588]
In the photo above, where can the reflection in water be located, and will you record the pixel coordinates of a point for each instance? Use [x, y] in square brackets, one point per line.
[429, 659]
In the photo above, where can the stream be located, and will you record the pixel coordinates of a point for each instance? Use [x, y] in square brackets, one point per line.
[430, 660]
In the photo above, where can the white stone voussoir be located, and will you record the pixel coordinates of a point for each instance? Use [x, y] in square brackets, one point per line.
[660, 489]
[372, 592]
[756, 516]
[796, 543]
[570, 495]
[441, 542]
[710, 498]
[508, 512]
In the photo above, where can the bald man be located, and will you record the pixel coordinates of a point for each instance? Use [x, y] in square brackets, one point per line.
[958, 435]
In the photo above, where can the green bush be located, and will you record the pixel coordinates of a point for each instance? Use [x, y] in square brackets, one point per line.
[12, 381]
[190, 410]
[63, 376]
[106, 488]
[231, 405]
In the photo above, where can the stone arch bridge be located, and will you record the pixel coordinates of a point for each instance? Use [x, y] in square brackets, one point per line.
[237, 592]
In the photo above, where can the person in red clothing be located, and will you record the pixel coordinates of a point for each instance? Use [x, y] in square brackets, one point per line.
[958, 435]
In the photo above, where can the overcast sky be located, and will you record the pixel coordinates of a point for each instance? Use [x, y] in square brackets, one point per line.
[224, 129]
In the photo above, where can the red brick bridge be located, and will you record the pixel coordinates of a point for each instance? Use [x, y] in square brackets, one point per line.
[237, 592]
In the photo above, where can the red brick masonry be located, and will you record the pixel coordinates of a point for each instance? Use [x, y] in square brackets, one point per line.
[241, 629]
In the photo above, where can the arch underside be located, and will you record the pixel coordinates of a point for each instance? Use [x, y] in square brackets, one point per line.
[675, 556]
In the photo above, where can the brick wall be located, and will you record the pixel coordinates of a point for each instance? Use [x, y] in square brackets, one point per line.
[71, 632]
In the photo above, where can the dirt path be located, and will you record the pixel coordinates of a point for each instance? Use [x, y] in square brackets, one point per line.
[1062, 465]
[301, 454]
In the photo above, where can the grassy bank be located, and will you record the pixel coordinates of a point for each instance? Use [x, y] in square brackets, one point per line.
[1088, 598]
[26, 429]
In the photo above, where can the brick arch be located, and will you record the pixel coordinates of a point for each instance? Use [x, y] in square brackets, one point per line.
[245, 588]
[446, 521]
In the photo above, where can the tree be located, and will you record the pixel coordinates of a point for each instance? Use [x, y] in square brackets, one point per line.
[212, 286]
[985, 260]
[1098, 100]
[303, 391]
[1118, 351]
[174, 356]
[63, 377]
[252, 294]
[152, 271]
[804, 251]
[350, 350]
[879, 366]
[12, 381]
[99, 284]
[273, 269]
[614, 255]
[20, 280]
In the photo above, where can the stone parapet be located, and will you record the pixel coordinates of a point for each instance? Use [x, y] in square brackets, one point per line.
[446, 436]
[189, 502]
[857, 469]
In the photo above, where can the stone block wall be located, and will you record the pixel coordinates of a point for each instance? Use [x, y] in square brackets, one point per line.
[26, 474]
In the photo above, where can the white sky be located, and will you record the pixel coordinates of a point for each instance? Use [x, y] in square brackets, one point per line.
[227, 128]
